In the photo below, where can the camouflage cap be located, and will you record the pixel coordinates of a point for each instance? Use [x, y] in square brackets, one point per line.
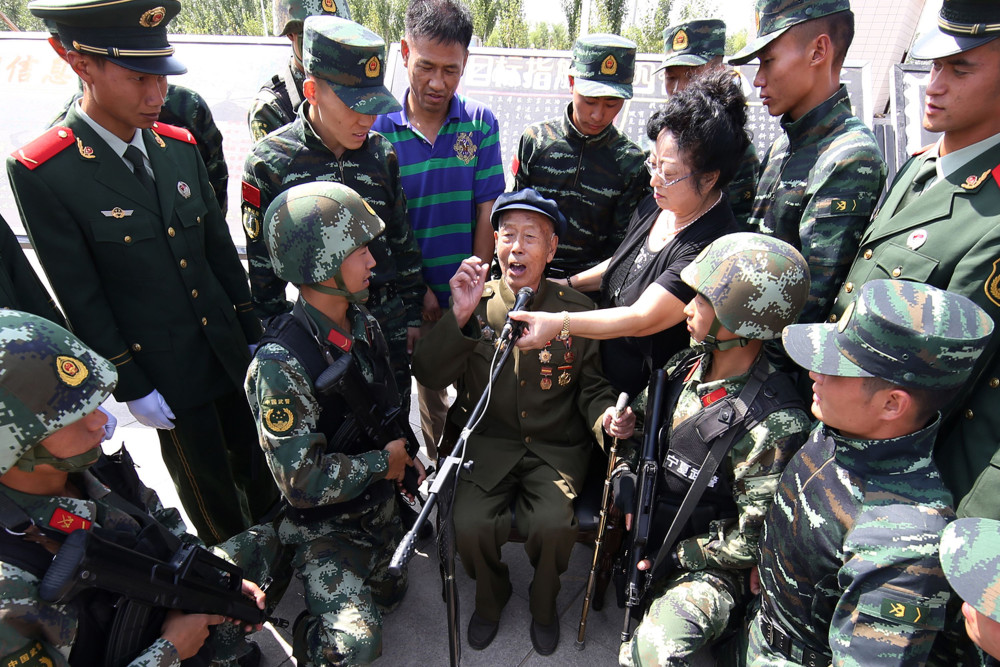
[311, 228]
[603, 66]
[130, 33]
[970, 558]
[48, 379]
[774, 17]
[694, 43]
[910, 334]
[290, 14]
[962, 25]
[757, 284]
[351, 58]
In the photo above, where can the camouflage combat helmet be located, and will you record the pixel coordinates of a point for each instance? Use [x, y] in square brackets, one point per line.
[48, 379]
[310, 230]
[970, 558]
[757, 285]
[910, 334]
[289, 14]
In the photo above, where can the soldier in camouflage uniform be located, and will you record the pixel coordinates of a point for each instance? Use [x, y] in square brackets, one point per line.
[330, 141]
[849, 571]
[181, 107]
[689, 50]
[51, 385]
[820, 181]
[749, 288]
[970, 557]
[278, 100]
[338, 483]
[582, 161]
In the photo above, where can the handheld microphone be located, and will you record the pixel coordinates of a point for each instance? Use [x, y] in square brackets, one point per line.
[525, 296]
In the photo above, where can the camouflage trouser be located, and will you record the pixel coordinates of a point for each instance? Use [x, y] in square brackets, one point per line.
[692, 611]
[348, 587]
[391, 316]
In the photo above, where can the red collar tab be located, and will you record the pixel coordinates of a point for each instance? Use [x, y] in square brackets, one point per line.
[67, 522]
[340, 340]
[708, 399]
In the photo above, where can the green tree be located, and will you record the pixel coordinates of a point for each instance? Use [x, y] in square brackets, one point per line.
[699, 9]
[648, 33]
[385, 17]
[573, 9]
[511, 30]
[549, 36]
[612, 14]
[736, 41]
[17, 13]
[220, 17]
[484, 16]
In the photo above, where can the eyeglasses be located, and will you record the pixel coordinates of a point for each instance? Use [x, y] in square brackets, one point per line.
[654, 171]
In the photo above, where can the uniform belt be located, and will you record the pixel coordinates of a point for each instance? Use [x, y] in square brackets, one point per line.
[780, 642]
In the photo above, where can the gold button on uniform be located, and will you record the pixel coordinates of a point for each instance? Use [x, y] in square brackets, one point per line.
[849, 287]
[528, 440]
[184, 263]
[868, 253]
[968, 414]
[524, 413]
[994, 382]
[62, 134]
[523, 382]
[833, 318]
[136, 347]
[171, 232]
[898, 271]
[204, 321]
[194, 294]
[128, 239]
[198, 219]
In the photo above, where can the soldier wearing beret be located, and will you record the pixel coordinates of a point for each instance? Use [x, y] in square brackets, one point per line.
[278, 101]
[583, 162]
[849, 572]
[689, 50]
[940, 224]
[341, 518]
[330, 140]
[54, 482]
[820, 180]
[121, 212]
[533, 445]
[970, 556]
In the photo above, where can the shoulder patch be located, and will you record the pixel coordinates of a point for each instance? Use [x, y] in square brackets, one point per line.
[515, 165]
[277, 414]
[174, 132]
[570, 295]
[53, 142]
[32, 655]
[251, 194]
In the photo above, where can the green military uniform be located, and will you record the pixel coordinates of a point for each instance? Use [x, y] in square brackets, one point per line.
[152, 283]
[342, 520]
[279, 99]
[596, 180]
[48, 380]
[849, 570]
[939, 225]
[185, 108]
[820, 181]
[20, 288]
[533, 442]
[693, 44]
[296, 155]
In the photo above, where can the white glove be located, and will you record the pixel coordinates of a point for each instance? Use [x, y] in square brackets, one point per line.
[151, 410]
[110, 425]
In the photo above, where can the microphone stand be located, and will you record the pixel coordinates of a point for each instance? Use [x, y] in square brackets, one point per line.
[444, 483]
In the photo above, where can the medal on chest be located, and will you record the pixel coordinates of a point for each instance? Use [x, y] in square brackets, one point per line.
[546, 382]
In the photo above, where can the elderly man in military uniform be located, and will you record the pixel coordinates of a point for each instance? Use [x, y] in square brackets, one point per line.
[130, 234]
[536, 436]
[581, 161]
[341, 517]
[53, 484]
[940, 224]
[849, 572]
[330, 140]
[819, 180]
[278, 101]
[691, 49]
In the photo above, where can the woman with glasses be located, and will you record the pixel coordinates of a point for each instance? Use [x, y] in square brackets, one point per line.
[700, 139]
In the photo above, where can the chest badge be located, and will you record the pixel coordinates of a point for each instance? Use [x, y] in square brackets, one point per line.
[465, 150]
[916, 239]
[85, 151]
[117, 213]
[184, 189]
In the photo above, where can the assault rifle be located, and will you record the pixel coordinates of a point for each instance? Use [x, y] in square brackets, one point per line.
[642, 517]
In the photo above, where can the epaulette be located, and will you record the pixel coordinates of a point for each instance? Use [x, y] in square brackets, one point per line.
[570, 295]
[174, 132]
[487, 292]
[42, 149]
[921, 151]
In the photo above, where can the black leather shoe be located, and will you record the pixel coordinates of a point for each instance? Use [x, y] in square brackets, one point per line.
[545, 638]
[481, 632]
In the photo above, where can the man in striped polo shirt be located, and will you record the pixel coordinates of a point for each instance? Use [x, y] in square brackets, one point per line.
[449, 160]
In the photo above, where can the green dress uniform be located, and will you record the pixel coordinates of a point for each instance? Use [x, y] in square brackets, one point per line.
[819, 183]
[949, 237]
[20, 288]
[532, 446]
[154, 285]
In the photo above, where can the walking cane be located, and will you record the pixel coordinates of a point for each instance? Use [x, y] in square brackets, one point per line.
[612, 462]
